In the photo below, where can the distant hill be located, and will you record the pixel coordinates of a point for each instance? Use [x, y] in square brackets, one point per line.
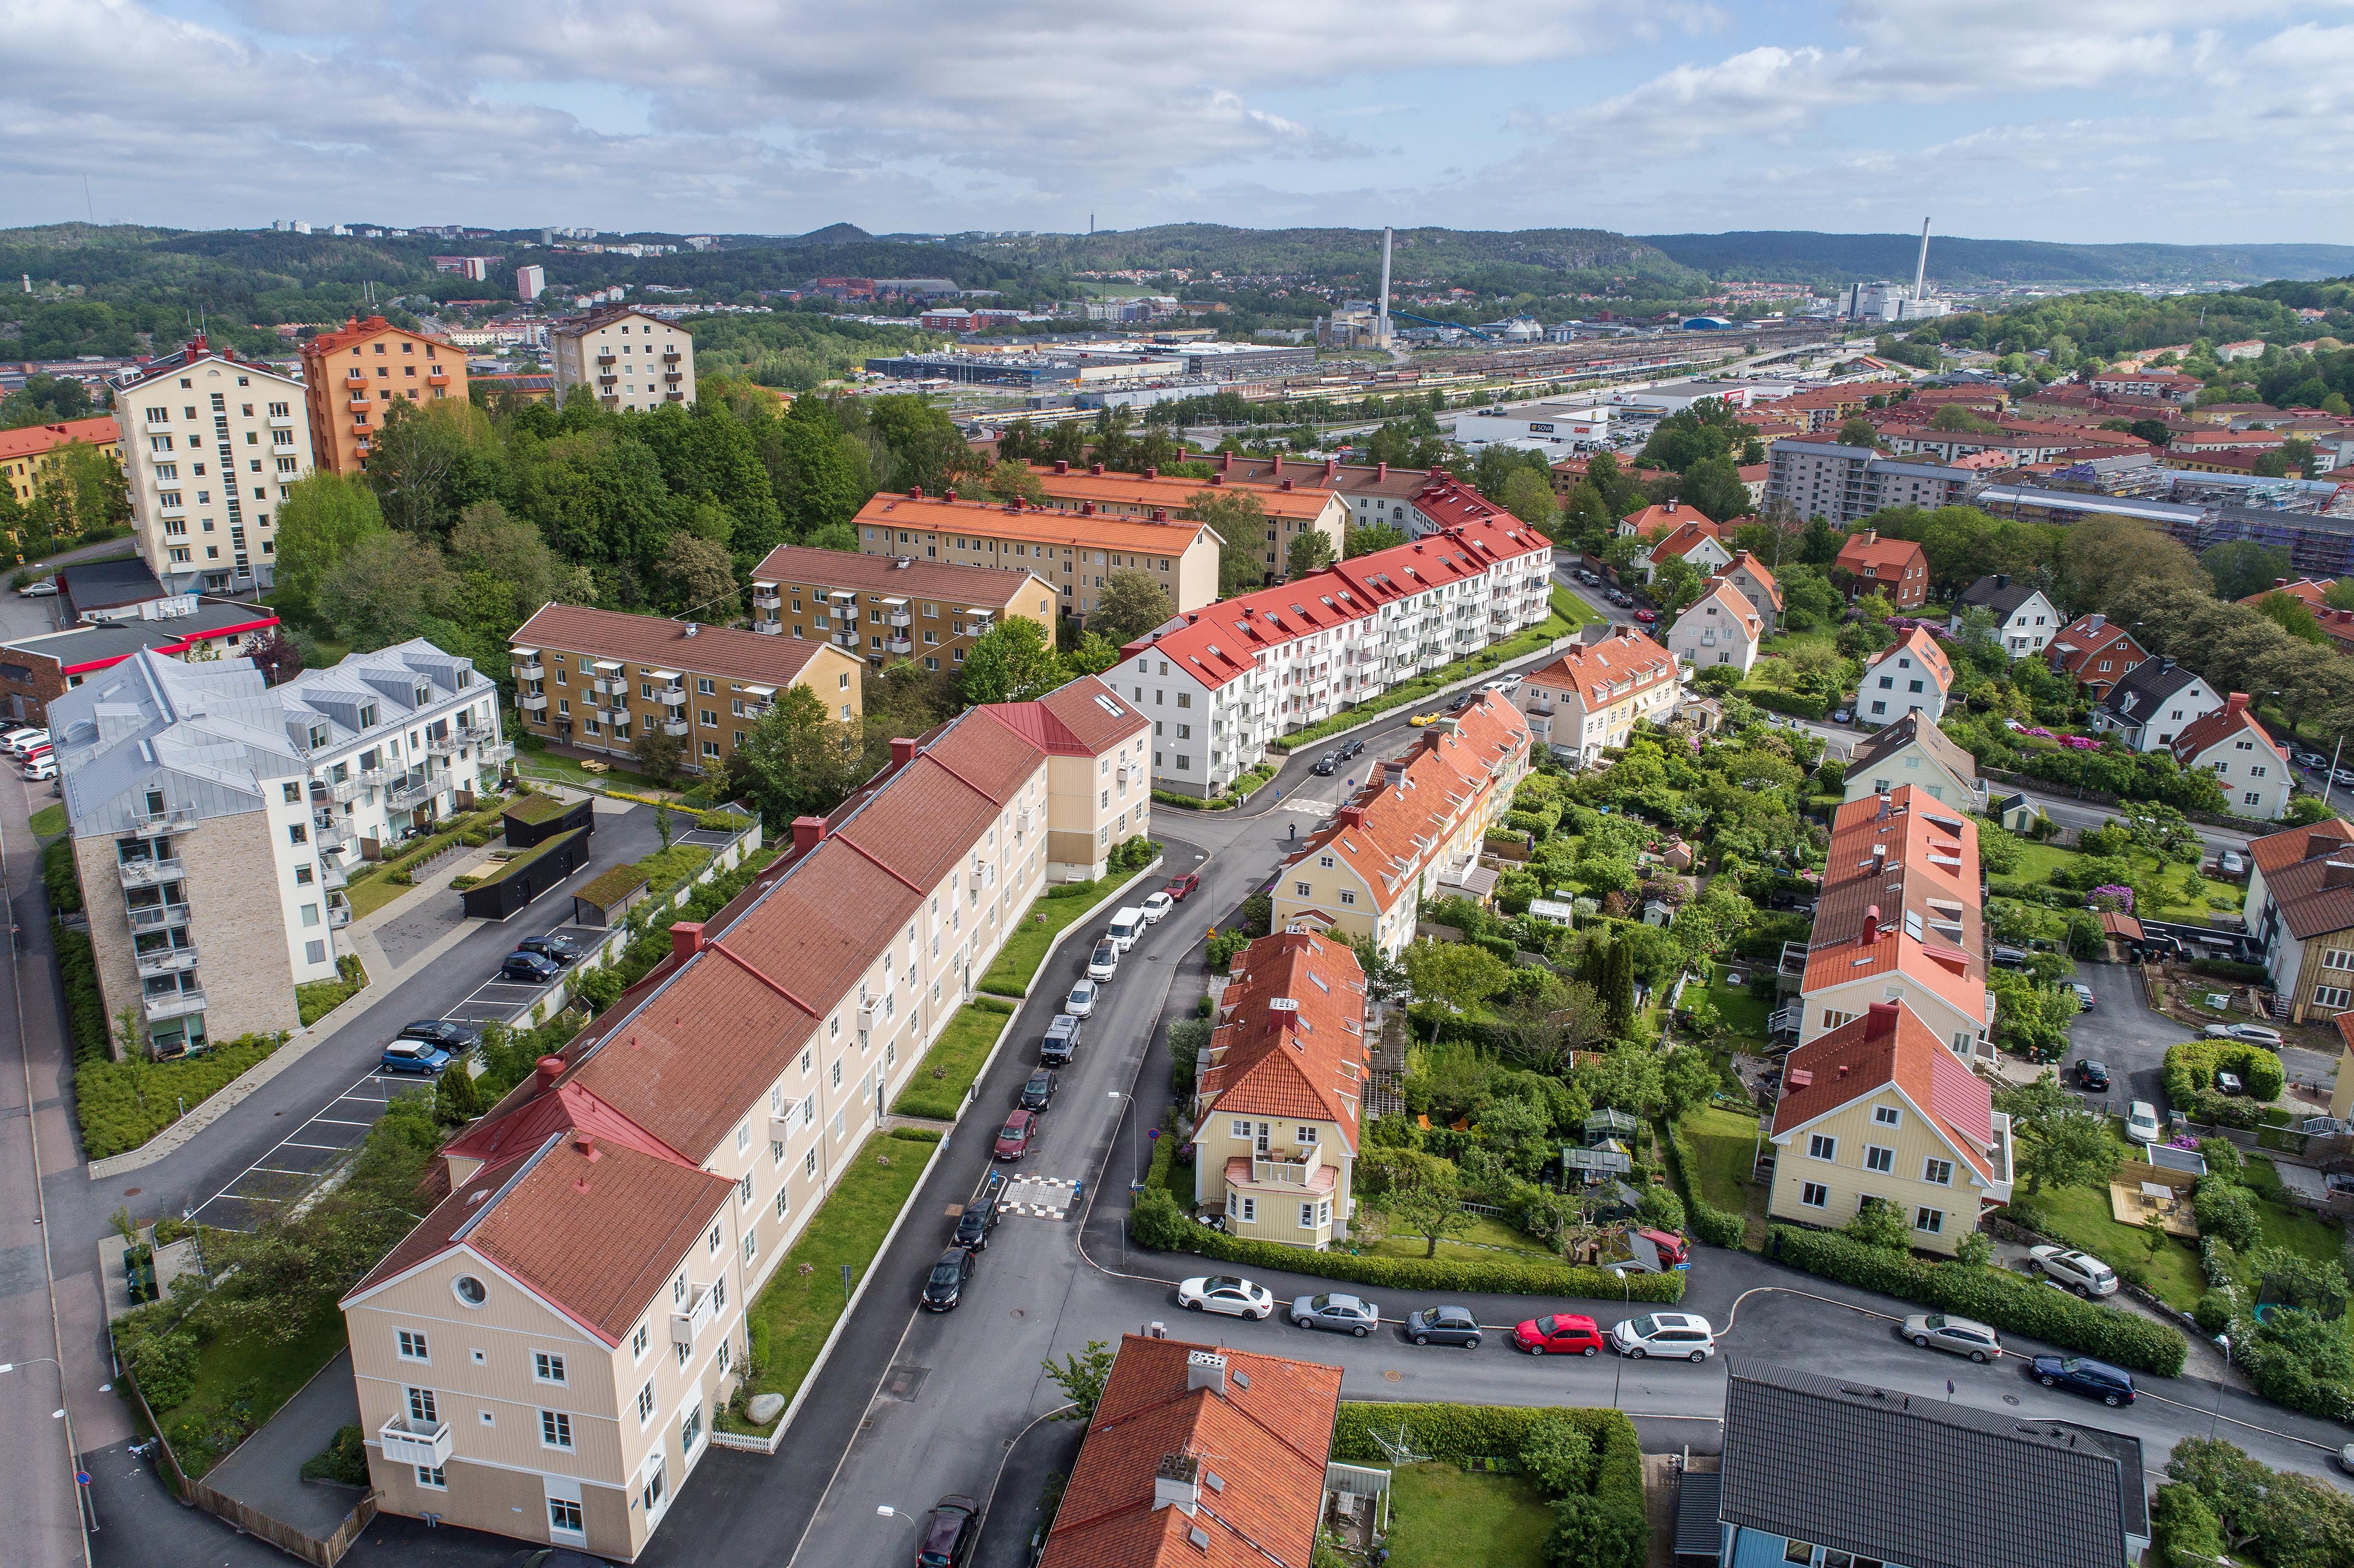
[1803, 256]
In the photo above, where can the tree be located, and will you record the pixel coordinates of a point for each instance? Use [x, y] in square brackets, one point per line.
[1385, 977]
[1859, 432]
[1877, 1224]
[1240, 522]
[821, 474]
[1714, 486]
[1004, 480]
[1420, 1194]
[1954, 416]
[1091, 655]
[799, 760]
[277, 653]
[380, 588]
[660, 754]
[1012, 661]
[1081, 1378]
[1675, 585]
[1455, 974]
[1365, 538]
[1688, 1080]
[2245, 566]
[2183, 1530]
[1527, 495]
[1557, 1455]
[1131, 606]
[2060, 1143]
[415, 456]
[700, 578]
[1591, 1532]
[323, 515]
[1308, 553]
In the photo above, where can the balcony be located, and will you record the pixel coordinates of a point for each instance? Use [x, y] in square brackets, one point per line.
[494, 756]
[676, 727]
[159, 916]
[147, 873]
[769, 627]
[164, 820]
[1275, 1168]
[410, 793]
[533, 702]
[338, 917]
[767, 598]
[281, 421]
[610, 686]
[361, 400]
[670, 356]
[164, 1004]
[672, 377]
[338, 790]
[846, 639]
[898, 645]
[330, 834]
[901, 618]
[331, 875]
[411, 1442]
[449, 745]
[166, 960]
[606, 358]
[686, 1325]
[437, 379]
[535, 670]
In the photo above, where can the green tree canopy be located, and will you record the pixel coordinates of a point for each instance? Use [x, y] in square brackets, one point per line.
[1131, 604]
[1011, 662]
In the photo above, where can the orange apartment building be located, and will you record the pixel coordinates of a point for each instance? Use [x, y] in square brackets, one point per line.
[1075, 551]
[352, 378]
[1290, 509]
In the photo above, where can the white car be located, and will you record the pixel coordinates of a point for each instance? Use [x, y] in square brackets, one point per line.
[29, 741]
[1104, 962]
[40, 768]
[18, 732]
[2080, 1271]
[2141, 1122]
[1683, 1334]
[2253, 1033]
[1082, 1000]
[1157, 904]
[1227, 1293]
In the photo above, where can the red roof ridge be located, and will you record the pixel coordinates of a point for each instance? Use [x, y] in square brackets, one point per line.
[885, 866]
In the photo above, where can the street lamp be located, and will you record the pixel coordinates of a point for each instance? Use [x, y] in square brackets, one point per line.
[1627, 1289]
[1135, 1163]
[59, 1413]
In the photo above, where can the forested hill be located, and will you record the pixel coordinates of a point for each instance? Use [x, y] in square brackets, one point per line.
[1803, 256]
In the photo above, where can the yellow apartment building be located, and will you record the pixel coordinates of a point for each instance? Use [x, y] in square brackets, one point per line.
[884, 608]
[1075, 551]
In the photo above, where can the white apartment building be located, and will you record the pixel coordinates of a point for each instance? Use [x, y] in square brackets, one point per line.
[1222, 682]
[627, 358]
[210, 444]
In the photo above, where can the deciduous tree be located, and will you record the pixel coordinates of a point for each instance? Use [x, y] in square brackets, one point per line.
[1011, 662]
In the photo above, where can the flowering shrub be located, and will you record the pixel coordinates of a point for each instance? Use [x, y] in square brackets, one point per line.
[2110, 896]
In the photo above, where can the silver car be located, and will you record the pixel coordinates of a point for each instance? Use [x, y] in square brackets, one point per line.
[2078, 1271]
[1348, 1314]
[1937, 1331]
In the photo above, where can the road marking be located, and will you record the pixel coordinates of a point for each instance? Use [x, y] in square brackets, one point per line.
[1054, 1205]
[1785, 1290]
[338, 1120]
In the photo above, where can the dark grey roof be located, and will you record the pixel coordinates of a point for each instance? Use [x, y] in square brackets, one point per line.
[1913, 726]
[1698, 1531]
[94, 585]
[1917, 1480]
[2002, 594]
[2144, 686]
[121, 639]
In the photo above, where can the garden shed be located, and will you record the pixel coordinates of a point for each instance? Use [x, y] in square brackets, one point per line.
[533, 819]
[607, 896]
[507, 888]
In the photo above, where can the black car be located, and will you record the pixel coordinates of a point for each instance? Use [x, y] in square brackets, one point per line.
[1327, 765]
[529, 968]
[981, 1214]
[2092, 1075]
[1443, 1326]
[1350, 749]
[563, 950]
[1039, 1091]
[2110, 1385]
[446, 1032]
[2007, 958]
[944, 1287]
[950, 1533]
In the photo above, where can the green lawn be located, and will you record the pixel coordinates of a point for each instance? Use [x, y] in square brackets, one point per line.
[1017, 962]
[791, 1318]
[49, 820]
[1443, 1516]
[2038, 862]
[1488, 1238]
[939, 1086]
[1725, 1144]
[2080, 1216]
[240, 1383]
[533, 760]
[2300, 1230]
[1741, 1012]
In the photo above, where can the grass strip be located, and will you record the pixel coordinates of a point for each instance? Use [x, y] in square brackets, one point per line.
[942, 1083]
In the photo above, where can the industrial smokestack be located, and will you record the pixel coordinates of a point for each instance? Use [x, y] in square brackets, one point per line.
[1382, 321]
[1921, 267]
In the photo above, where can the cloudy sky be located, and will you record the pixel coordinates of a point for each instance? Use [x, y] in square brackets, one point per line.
[2087, 119]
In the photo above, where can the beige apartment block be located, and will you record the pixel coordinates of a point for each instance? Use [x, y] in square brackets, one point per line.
[627, 359]
[1076, 551]
[1290, 511]
[885, 608]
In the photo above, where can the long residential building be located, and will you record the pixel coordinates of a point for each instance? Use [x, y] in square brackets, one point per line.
[211, 445]
[1076, 551]
[352, 378]
[1290, 512]
[1414, 829]
[887, 607]
[29, 456]
[1595, 692]
[188, 786]
[545, 1355]
[603, 679]
[37, 671]
[1221, 682]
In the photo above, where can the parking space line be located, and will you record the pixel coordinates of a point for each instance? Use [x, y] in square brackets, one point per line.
[279, 1171]
[338, 1120]
[292, 1143]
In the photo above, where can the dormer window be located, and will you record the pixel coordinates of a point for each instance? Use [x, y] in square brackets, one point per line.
[368, 717]
[422, 695]
[318, 736]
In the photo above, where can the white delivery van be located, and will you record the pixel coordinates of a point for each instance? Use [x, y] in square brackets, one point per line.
[1126, 928]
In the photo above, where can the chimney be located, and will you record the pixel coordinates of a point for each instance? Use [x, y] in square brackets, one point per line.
[1087, 508]
[1278, 468]
[1177, 1480]
[548, 1069]
[2094, 622]
[685, 939]
[1879, 1022]
[1381, 471]
[915, 492]
[1350, 817]
[1394, 772]
[1331, 468]
[1869, 536]
[2280, 582]
[1205, 1369]
[2338, 873]
[1225, 462]
[2235, 705]
[1161, 514]
[1220, 477]
[1151, 472]
[1869, 934]
[1287, 484]
[1671, 505]
[1062, 465]
[1095, 469]
[2321, 844]
[902, 748]
[2002, 580]
[1843, 1070]
[948, 495]
[2165, 662]
[583, 1140]
[807, 832]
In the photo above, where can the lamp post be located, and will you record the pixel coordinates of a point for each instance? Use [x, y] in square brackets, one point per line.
[1135, 1162]
[1626, 1292]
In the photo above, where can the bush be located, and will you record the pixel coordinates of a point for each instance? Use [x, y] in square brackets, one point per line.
[2213, 1313]
[1661, 1210]
[165, 1368]
[344, 1459]
[2189, 1078]
[1780, 701]
[2182, 1529]
[1557, 1454]
[2227, 1212]
[60, 877]
[2226, 969]
[85, 1005]
[2010, 1302]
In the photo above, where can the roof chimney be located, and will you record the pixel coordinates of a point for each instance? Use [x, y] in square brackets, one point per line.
[1350, 816]
[2321, 844]
[2280, 582]
[1671, 504]
[948, 494]
[1394, 772]
[1225, 462]
[548, 1069]
[1869, 934]
[1095, 469]
[902, 748]
[1869, 536]
[2236, 703]
[807, 832]
[1161, 514]
[1205, 1369]
[1177, 1480]
[915, 492]
[685, 939]
[2094, 622]
[1879, 1022]
[1151, 472]
[2002, 579]
[1219, 477]
[1087, 508]
[585, 1142]
[2338, 873]
[1062, 465]
[1381, 471]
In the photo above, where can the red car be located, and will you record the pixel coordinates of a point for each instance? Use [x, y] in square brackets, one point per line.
[1563, 1334]
[1013, 1139]
[1647, 616]
[1180, 886]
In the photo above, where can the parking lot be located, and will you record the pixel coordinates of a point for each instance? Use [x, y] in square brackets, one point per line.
[305, 1154]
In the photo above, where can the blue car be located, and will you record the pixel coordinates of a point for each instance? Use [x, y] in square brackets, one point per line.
[2110, 1385]
[530, 969]
[413, 1056]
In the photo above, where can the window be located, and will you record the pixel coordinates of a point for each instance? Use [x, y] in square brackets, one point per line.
[546, 1367]
[646, 1403]
[714, 1245]
[1300, 888]
[432, 1475]
[1940, 1172]
[422, 1407]
[808, 1164]
[2334, 996]
[638, 1343]
[1930, 1220]
[744, 1191]
[409, 1345]
[1878, 1159]
[1821, 1147]
[1886, 1116]
[1814, 1194]
[564, 1514]
[1307, 1216]
[554, 1429]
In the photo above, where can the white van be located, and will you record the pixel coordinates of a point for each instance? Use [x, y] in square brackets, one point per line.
[1126, 928]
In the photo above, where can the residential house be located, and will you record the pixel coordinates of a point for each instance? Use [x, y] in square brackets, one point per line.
[1896, 568]
[626, 358]
[1656, 522]
[35, 671]
[1720, 628]
[1279, 1090]
[2172, 386]
[1199, 1455]
[2151, 704]
[1941, 984]
[351, 379]
[1912, 751]
[2024, 619]
[2251, 766]
[1754, 477]
[2299, 912]
[1758, 585]
[1911, 675]
[1831, 1472]
[1374, 493]
[1587, 700]
[1695, 543]
[1878, 1111]
[1416, 827]
[1290, 512]
[604, 679]
[545, 1355]
[1076, 551]
[888, 607]
[2097, 654]
[2338, 625]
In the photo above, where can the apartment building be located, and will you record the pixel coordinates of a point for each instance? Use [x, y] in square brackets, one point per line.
[2096, 653]
[1414, 829]
[544, 1355]
[1898, 569]
[1845, 484]
[35, 671]
[602, 679]
[1290, 512]
[1911, 675]
[190, 786]
[28, 457]
[1222, 682]
[1374, 493]
[1588, 700]
[2300, 913]
[1720, 628]
[2153, 703]
[1076, 551]
[626, 358]
[2250, 766]
[210, 444]
[884, 608]
[352, 378]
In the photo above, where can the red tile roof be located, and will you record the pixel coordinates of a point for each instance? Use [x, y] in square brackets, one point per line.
[1886, 949]
[1665, 518]
[1044, 526]
[1745, 562]
[1889, 1045]
[1451, 504]
[2210, 730]
[1086, 718]
[665, 644]
[355, 330]
[1170, 492]
[1883, 560]
[2084, 640]
[1905, 859]
[1924, 650]
[1591, 670]
[1685, 538]
[1290, 1041]
[34, 439]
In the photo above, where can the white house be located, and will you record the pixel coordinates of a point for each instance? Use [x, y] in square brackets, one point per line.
[2024, 621]
[1913, 751]
[1722, 627]
[2153, 704]
[1909, 676]
[2251, 766]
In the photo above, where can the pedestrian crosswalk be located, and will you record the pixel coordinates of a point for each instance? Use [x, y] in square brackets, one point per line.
[1040, 1197]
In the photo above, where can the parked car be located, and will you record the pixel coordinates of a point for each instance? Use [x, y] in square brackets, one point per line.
[2141, 1122]
[2253, 1033]
[1420, 721]
[40, 769]
[1126, 930]
[529, 968]
[1842, 716]
[981, 1214]
[1156, 905]
[447, 1032]
[944, 1287]
[1344, 1314]
[16, 732]
[554, 946]
[2084, 995]
[1039, 1092]
[1061, 1041]
[1013, 1138]
[2091, 1074]
[1081, 1004]
[949, 1532]
[1443, 1326]
[1227, 1293]
[1647, 616]
[2343, 776]
[1326, 765]
[1685, 1334]
[1559, 1334]
[2231, 863]
[413, 1056]
[1104, 962]
[45, 588]
[2110, 1385]
[1590, 578]
[1937, 1331]
[27, 741]
[1178, 886]
[2079, 1271]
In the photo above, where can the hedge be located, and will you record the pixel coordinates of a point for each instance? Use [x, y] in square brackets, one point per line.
[85, 1004]
[60, 877]
[1781, 701]
[2230, 969]
[2013, 1303]
[1706, 1221]
[2189, 1078]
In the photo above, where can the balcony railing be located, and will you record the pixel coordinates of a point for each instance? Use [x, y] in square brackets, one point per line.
[166, 960]
[897, 645]
[846, 639]
[449, 745]
[768, 598]
[170, 817]
[408, 792]
[338, 790]
[676, 727]
[331, 875]
[686, 1325]
[164, 1004]
[900, 617]
[769, 627]
[492, 756]
[159, 916]
[147, 873]
[533, 702]
[535, 670]
[338, 917]
[331, 833]
[1292, 1169]
[411, 1442]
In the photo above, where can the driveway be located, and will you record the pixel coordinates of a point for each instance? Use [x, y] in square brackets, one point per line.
[2124, 1031]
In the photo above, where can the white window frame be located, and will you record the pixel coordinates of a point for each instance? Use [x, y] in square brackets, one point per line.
[1823, 1145]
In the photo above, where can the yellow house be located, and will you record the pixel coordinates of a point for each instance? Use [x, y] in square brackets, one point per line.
[1879, 1111]
[2341, 1098]
[1592, 695]
[1280, 1092]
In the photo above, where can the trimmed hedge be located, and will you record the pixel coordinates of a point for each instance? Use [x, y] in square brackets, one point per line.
[2013, 1303]
[2190, 1081]
[1706, 1222]
[60, 877]
[1781, 701]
